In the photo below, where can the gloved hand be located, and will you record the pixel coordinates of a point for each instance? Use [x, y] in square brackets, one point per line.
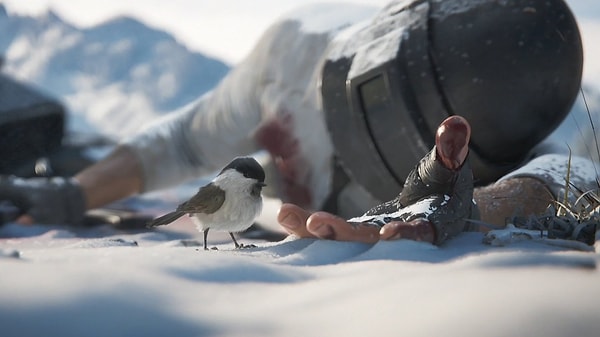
[434, 205]
[47, 200]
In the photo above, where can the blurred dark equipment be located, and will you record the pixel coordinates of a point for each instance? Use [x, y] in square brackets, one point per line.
[31, 125]
[33, 138]
[8, 211]
[34, 143]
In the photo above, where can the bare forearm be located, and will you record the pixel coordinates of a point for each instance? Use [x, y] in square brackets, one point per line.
[115, 177]
[520, 196]
[530, 189]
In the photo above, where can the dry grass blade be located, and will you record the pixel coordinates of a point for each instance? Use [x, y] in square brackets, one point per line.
[587, 107]
[576, 216]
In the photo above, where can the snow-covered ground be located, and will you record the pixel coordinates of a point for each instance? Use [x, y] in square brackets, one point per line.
[102, 282]
[108, 282]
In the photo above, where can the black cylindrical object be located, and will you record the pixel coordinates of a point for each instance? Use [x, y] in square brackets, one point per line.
[31, 124]
[512, 67]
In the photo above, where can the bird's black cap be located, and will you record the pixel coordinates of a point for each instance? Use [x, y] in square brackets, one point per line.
[247, 166]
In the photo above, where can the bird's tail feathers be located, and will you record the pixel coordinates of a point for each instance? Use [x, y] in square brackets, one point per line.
[165, 219]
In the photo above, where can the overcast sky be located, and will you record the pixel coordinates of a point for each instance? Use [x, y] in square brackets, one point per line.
[227, 29]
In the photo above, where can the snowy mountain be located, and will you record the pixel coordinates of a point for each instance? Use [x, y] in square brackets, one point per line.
[119, 75]
[115, 76]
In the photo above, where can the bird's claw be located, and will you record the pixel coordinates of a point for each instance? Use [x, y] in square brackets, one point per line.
[207, 249]
[239, 246]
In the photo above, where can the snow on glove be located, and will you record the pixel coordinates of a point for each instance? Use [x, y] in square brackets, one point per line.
[439, 189]
[432, 192]
[48, 200]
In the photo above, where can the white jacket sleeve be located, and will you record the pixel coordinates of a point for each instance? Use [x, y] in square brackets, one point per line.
[276, 86]
[203, 136]
[554, 170]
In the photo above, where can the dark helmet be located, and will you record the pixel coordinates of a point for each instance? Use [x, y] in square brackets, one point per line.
[512, 67]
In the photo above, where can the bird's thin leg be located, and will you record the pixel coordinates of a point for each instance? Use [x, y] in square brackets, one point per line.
[234, 241]
[240, 245]
[205, 236]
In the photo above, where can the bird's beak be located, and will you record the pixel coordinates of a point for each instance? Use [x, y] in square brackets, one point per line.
[261, 184]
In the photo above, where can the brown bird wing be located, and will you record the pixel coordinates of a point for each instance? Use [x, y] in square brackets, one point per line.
[165, 219]
[208, 200]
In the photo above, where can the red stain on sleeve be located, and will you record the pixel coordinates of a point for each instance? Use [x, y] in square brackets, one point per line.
[276, 136]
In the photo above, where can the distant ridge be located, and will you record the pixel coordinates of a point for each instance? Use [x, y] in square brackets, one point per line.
[112, 77]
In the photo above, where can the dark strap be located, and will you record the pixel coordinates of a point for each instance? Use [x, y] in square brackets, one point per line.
[339, 180]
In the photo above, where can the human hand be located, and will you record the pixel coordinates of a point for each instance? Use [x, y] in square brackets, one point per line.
[44, 200]
[438, 181]
[327, 226]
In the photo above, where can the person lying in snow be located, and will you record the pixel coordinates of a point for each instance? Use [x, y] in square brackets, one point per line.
[435, 203]
[346, 99]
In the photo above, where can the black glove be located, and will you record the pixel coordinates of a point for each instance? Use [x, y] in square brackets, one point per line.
[48, 200]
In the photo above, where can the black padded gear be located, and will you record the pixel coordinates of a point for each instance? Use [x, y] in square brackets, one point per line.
[512, 68]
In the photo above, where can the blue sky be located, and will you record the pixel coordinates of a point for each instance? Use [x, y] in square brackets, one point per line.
[586, 8]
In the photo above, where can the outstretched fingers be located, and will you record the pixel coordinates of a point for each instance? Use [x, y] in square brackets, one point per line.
[327, 226]
[293, 219]
[330, 227]
[417, 230]
[324, 225]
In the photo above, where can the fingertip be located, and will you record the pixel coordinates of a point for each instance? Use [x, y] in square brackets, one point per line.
[293, 219]
[289, 221]
[388, 231]
[319, 225]
[288, 216]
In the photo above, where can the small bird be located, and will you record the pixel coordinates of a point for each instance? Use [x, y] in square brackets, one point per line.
[230, 202]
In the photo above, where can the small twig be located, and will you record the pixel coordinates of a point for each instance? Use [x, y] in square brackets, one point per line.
[567, 184]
